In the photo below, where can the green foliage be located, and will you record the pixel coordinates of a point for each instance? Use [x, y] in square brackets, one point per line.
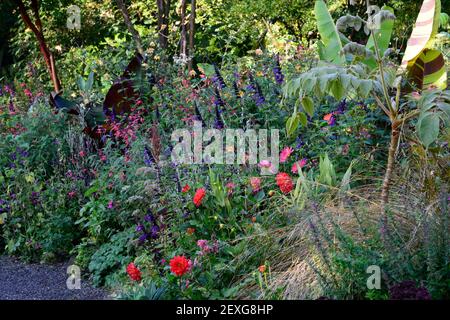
[111, 258]
[434, 109]
[330, 45]
[148, 292]
[63, 195]
[383, 34]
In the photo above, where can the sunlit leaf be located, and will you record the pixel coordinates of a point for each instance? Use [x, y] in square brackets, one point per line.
[331, 42]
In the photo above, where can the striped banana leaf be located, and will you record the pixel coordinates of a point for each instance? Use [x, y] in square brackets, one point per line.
[429, 70]
[427, 25]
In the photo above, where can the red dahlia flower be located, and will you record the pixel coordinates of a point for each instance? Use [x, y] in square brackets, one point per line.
[179, 265]
[198, 197]
[134, 272]
[284, 182]
[186, 188]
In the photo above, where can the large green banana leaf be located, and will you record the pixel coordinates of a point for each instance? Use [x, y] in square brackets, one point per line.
[331, 45]
[383, 37]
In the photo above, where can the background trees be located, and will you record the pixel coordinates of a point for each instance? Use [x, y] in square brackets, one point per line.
[223, 28]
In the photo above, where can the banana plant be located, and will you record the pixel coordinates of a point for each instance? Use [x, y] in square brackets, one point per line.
[333, 35]
[382, 84]
[424, 65]
[330, 45]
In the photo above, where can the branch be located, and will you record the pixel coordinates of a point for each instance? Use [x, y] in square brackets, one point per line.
[35, 8]
[183, 49]
[192, 33]
[381, 105]
[131, 29]
[37, 30]
[26, 18]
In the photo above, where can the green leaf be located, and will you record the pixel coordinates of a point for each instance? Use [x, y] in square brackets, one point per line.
[95, 116]
[90, 82]
[230, 292]
[345, 183]
[337, 89]
[81, 83]
[91, 190]
[331, 43]
[444, 20]
[445, 107]
[321, 50]
[365, 86]
[383, 37]
[327, 174]
[428, 128]
[308, 105]
[206, 68]
[292, 124]
[303, 119]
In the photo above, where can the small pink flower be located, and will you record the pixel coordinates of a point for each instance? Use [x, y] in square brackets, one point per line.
[415, 95]
[285, 153]
[28, 93]
[202, 243]
[265, 164]
[300, 163]
[72, 194]
[255, 182]
[82, 154]
[110, 204]
[230, 186]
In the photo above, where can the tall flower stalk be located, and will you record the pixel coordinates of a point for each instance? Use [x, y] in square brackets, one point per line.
[218, 78]
[254, 87]
[279, 77]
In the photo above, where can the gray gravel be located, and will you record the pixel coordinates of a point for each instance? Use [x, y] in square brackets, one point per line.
[22, 281]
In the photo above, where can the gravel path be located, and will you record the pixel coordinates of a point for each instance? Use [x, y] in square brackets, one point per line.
[21, 281]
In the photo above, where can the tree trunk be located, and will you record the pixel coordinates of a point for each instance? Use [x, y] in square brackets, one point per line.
[131, 29]
[192, 33]
[183, 41]
[395, 136]
[163, 22]
[38, 32]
